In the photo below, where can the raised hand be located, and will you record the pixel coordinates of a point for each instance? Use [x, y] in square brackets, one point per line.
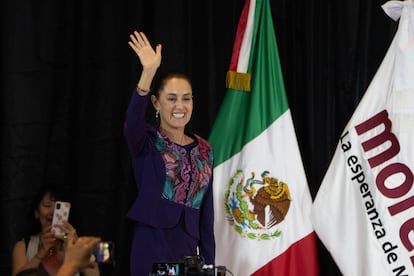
[78, 255]
[149, 58]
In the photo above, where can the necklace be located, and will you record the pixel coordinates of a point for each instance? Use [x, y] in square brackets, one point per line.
[182, 140]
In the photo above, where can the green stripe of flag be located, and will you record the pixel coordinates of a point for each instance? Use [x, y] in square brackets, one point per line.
[244, 115]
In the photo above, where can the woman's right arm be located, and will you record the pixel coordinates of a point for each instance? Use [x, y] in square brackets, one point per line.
[20, 261]
[150, 59]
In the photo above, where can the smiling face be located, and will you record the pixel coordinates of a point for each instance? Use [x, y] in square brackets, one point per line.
[44, 211]
[174, 103]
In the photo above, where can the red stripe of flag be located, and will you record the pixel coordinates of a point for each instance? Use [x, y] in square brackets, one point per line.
[295, 261]
[241, 29]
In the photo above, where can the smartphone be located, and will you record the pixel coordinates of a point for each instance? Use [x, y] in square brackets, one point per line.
[104, 252]
[61, 213]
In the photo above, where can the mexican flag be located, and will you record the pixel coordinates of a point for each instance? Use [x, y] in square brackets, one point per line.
[363, 211]
[261, 198]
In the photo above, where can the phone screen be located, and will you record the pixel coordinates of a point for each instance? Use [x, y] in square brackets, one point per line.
[104, 252]
[167, 269]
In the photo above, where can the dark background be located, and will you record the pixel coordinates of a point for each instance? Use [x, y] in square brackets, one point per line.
[68, 73]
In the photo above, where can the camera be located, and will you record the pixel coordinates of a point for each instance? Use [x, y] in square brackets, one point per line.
[194, 265]
[190, 266]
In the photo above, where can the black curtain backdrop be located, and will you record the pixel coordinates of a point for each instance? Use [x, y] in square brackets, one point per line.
[68, 73]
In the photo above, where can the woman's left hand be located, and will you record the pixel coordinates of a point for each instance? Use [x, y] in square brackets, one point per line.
[69, 230]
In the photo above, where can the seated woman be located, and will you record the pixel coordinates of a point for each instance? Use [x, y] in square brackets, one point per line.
[43, 249]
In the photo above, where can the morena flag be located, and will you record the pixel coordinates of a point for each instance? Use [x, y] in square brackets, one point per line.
[367, 194]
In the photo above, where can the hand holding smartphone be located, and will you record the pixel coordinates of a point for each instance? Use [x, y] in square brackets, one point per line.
[61, 213]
